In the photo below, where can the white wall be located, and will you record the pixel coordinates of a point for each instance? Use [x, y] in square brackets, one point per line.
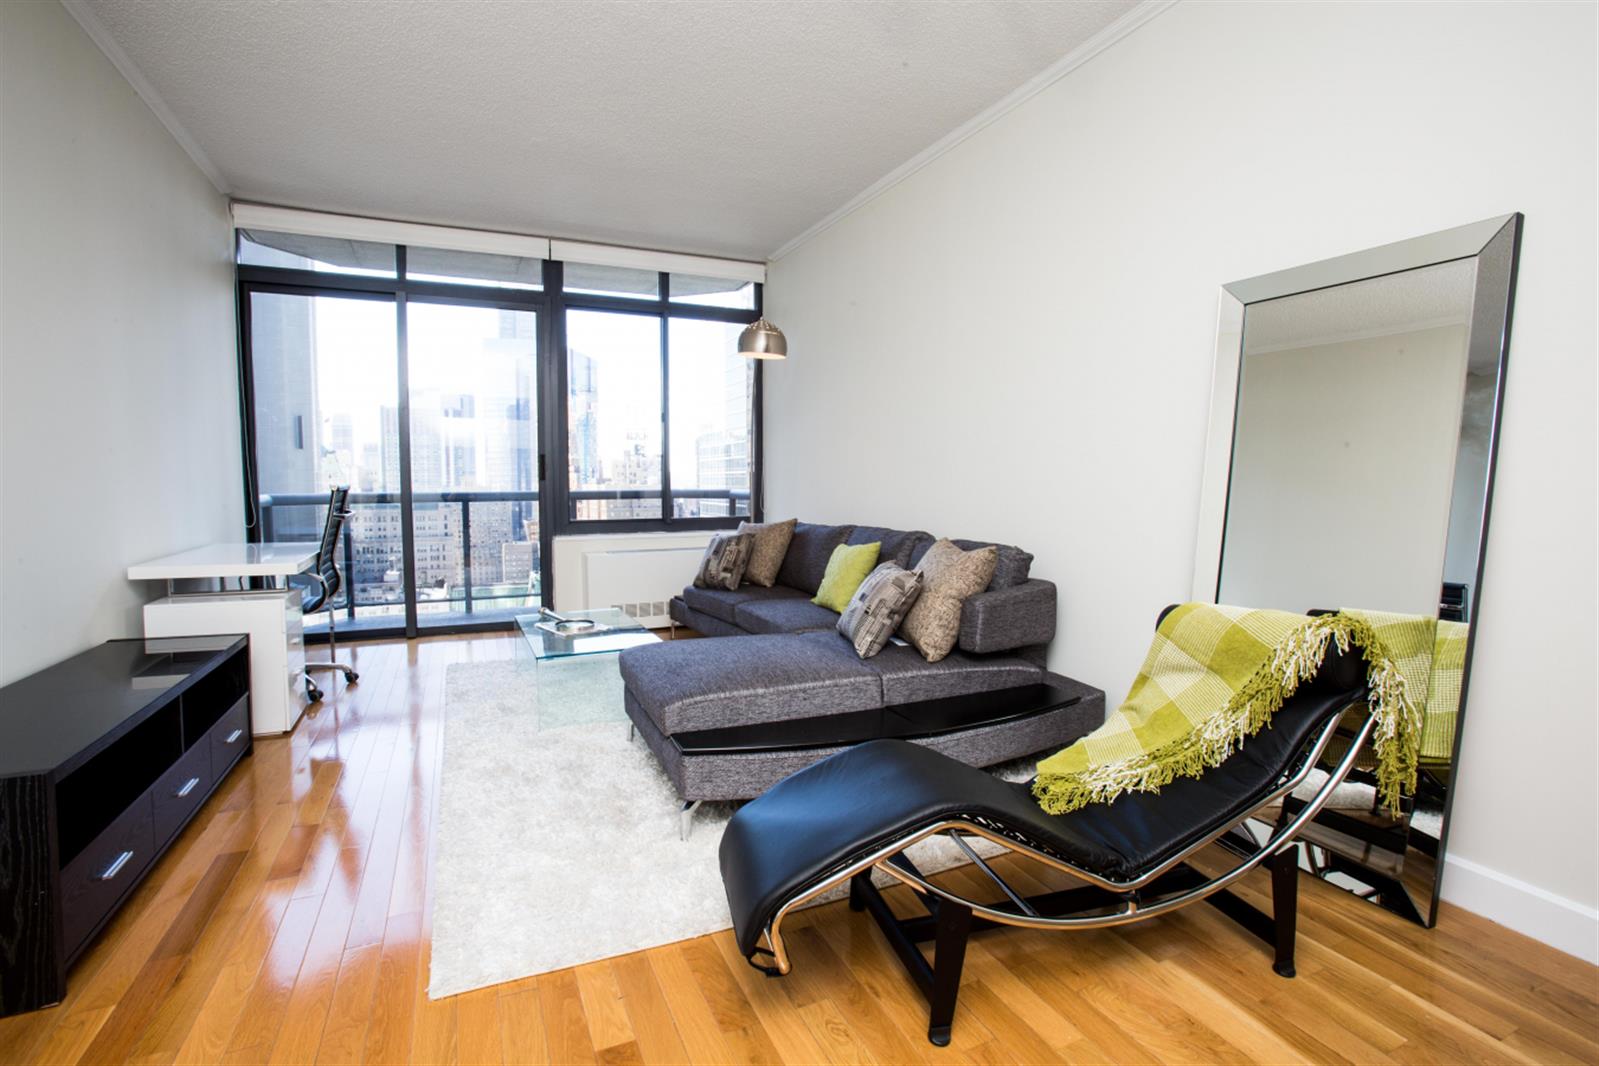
[119, 423]
[1016, 343]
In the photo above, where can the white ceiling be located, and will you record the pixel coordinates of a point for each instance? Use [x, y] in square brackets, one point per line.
[725, 127]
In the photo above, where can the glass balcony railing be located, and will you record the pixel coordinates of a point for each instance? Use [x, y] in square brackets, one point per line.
[477, 553]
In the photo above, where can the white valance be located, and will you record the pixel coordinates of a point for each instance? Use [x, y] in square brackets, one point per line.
[642, 259]
[385, 231]
[248, 216]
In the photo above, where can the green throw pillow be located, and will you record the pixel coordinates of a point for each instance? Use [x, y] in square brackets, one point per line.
[847, 567]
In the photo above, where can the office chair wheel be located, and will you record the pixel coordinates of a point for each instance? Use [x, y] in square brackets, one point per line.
[313, 693]
[351, 677]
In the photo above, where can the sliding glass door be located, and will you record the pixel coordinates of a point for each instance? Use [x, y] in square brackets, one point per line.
[474, 461]
[325, 396]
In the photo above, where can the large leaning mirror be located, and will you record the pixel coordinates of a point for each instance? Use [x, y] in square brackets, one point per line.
[1354, 423]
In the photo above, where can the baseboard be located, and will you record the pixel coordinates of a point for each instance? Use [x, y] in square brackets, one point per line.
[1540, 914]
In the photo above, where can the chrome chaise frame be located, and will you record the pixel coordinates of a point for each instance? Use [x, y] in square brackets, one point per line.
[951, 916]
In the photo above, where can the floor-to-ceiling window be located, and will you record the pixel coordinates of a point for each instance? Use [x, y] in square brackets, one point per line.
[479, 404]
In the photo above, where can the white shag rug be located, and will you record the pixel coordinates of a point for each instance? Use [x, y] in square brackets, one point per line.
[557, 837]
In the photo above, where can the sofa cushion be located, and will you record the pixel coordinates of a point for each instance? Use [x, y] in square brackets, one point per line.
[908, 678]
[685, 685]
[795, 615]
[1012, 566]
[897, 544]
[771, 544]
[808, 551]
[720, 603]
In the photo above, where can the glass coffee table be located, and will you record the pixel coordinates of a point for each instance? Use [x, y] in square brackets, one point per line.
[574, 663]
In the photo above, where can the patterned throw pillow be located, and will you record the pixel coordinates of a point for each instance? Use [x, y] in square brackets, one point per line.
[771, 544]
[878, 607]
[949, 575]
[726, 556]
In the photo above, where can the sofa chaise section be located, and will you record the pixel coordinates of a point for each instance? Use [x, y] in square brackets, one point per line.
[677, 689]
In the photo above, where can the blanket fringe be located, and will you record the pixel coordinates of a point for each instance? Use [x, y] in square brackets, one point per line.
[1296, 659]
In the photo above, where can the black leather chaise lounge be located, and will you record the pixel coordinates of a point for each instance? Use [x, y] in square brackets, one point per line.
[862, 808]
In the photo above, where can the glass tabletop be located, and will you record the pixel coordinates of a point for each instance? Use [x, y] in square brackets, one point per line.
[582, 632]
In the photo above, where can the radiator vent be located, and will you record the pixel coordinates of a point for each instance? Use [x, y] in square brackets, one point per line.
[644, 610]
[639, 581]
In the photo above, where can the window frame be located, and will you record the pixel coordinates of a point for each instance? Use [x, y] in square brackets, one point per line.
[664, 311]
[550, 304]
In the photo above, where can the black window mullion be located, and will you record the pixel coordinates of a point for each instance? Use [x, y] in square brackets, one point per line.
[252, 469]
[668, 512]
[402, 355]
[553, 378]
[757, 501]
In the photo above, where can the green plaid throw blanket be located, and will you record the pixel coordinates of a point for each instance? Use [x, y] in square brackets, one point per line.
[1443, 699]
[1215, 675]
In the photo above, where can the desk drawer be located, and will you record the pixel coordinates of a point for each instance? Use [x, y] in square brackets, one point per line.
[93, 882]
[229, 737]
[181, 790]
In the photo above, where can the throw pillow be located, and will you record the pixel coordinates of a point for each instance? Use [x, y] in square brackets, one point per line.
[878, 607]
[722, 566]
[771, 544]
[847, 567]
[949, 575]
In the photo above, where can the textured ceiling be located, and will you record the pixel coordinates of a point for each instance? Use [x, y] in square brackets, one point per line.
[707, 126]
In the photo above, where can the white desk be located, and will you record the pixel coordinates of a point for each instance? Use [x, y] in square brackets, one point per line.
[272, 560]
[270, 616]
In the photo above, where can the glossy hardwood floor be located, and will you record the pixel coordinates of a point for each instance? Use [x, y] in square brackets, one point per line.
[290, 924]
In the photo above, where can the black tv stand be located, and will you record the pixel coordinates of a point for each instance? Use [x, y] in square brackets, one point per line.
[104, 758]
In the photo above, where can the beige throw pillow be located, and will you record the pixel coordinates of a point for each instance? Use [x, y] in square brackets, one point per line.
[771, 544]
[949, 575]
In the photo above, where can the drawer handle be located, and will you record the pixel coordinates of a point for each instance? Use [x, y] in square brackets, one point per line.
[233, 736]
[116, 866]
[188, 787]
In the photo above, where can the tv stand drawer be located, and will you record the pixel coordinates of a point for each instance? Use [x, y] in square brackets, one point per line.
[93, 883]
[178, 793]
[230, 738]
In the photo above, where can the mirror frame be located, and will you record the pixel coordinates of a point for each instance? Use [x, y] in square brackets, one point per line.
[1496, 245]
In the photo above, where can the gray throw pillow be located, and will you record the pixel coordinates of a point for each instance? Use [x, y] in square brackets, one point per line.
[878, 607]
[771, 544]
[726, 556]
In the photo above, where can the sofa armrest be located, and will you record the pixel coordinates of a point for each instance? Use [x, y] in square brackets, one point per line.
[1004, 619]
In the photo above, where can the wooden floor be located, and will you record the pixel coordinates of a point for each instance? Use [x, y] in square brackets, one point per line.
[290, 924]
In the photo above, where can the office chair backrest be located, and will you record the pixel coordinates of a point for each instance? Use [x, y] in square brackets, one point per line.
[327, 552]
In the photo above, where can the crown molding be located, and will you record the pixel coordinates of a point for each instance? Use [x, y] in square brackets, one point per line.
[85, 17]
[1057, 70]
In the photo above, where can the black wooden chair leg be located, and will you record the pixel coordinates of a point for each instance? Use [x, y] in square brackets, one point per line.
[1285, 907]
[954, 926]
[857, 890]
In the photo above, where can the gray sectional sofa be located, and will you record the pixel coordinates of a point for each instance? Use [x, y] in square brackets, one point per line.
[778, 668]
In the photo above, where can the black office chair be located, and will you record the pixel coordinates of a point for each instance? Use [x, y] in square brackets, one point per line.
[319, 597]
